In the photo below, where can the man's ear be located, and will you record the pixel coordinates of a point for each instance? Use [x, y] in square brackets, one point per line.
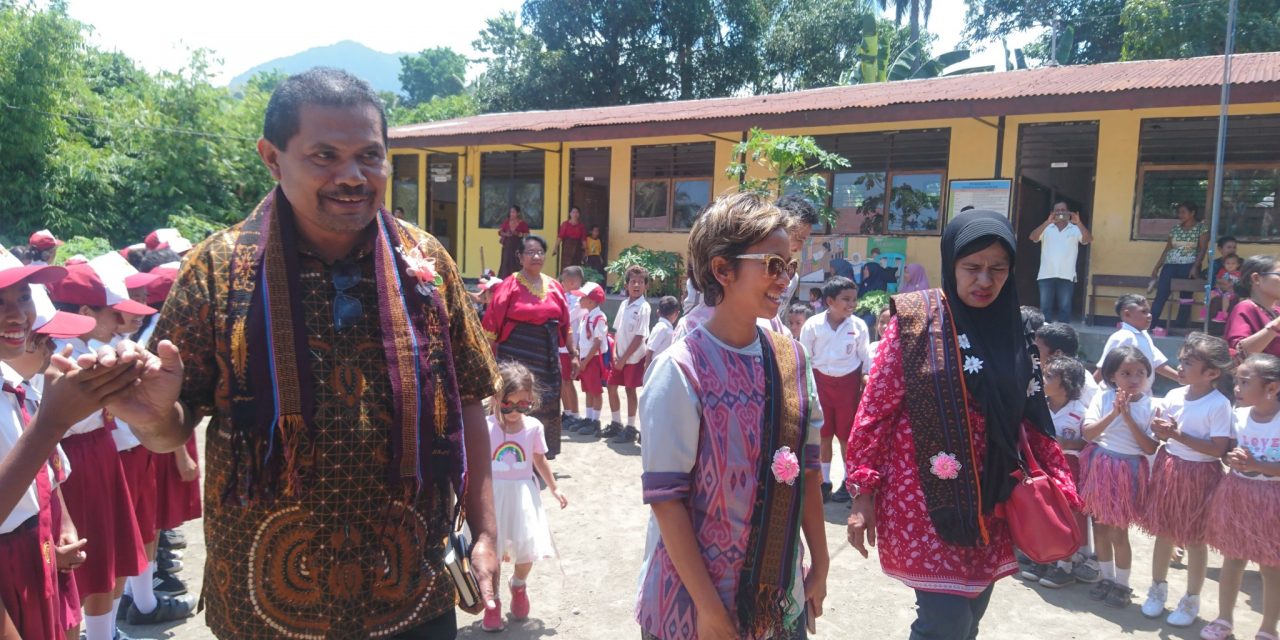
[270, 156]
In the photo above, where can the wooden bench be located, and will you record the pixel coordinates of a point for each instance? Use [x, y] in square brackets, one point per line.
[1179, 286]
[1135, 284]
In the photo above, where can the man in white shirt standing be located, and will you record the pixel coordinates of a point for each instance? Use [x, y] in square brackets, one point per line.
[838, 343]
[1060, 237]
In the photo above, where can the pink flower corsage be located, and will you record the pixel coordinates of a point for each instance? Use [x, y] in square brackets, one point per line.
[786, 467]
[422, 268]
[945, 466]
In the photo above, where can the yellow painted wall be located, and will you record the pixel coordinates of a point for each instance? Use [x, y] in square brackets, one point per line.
[972, 156]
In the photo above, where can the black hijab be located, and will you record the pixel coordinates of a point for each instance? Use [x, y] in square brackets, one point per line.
[875, 279]
[1008, 389]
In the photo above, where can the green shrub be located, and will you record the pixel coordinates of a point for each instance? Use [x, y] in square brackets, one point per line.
[194, 228]
[88, 247]
[664, 269]
[872, 303]
[592, 274]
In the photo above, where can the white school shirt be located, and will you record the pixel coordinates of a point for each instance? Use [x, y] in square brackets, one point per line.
[592, 327]
[1117, 437]
[632, 320]
[1090, 389]
[837, 352]
[575, 315]
[1058, 251]
[95, 420]
[1262, 439]
[1068, 422]
[10, 432]
[1127, 334]
[123, 433]
[35, 393]
[660, 337]
[1208, 417]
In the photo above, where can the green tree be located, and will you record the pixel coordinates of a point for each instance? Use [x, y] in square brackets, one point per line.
[446, 108]
[792, 163]
[432, 73]
[1156, 29]
[810, 43]
[917, 11]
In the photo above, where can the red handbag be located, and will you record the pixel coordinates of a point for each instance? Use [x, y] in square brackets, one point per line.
[1041, 521]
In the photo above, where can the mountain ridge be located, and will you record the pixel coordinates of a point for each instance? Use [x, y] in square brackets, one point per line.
[379, 69]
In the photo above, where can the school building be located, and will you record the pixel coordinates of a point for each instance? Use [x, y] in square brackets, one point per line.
[1121, 143]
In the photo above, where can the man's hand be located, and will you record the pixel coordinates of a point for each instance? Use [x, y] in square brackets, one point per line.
[484, 564]
[151, 400]
[1075, 218]
[74, 390]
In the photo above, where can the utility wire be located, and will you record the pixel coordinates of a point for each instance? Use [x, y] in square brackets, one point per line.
[130, 125]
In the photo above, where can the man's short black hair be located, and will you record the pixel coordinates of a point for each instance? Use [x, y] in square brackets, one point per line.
[1059, 336]
[321, 86]
[1032, 318]
[1223, 240]
[667, 306]
[798, 207]
[835, 285]
[1136, 299]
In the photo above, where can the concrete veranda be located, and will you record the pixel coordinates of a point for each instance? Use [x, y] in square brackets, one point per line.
[589, 594]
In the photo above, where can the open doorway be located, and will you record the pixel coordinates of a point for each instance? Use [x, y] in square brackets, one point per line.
[442, 202]
[589, 190]
[1056, 161]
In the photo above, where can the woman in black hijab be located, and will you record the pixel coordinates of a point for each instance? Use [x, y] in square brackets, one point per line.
[928, 474]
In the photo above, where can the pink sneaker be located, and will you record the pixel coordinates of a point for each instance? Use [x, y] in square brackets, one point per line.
[520, 602]
[493, 618]
[1217, 630]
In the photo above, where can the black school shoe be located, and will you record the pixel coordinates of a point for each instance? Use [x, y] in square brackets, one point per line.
[168, 609]
[1101, 590]
[171, 539]
[841, 495]
[122, 612]
[590, 429]
[826, 492]
[628, 436]
[167, 584]
[1119, 597]
[168, 565]
[612, 430]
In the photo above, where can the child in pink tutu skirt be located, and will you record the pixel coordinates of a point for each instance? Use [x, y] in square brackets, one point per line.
[1114, 467]
[1242, 513]
[1195, 424]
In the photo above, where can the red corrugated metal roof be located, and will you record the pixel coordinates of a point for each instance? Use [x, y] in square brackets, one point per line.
[1109, 78]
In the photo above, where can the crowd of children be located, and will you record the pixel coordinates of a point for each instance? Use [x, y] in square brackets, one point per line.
[90, 540]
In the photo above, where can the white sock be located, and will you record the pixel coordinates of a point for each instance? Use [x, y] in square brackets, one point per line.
[826, 472]
[144, 595]
[617, 417]
[631, 421]
[1065, 565]
[572, 415]
[115, 611]
[1108, 570]
[1122, 577]
[101, 627]
[517, 582]
[591, 414]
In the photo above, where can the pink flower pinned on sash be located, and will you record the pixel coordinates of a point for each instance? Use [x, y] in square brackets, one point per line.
[422, 268]
[786, 467]
[945, 466]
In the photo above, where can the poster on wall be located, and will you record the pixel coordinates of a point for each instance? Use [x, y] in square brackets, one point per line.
[825, 256]
[891, 255]
[979, 194]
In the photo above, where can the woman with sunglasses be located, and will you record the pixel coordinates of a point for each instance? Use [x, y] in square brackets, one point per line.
[1254, 323]
[518, 449]
[528, 321]
[927, 475]
[730, 452]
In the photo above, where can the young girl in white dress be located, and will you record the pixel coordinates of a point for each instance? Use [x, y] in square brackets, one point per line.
[519, 448]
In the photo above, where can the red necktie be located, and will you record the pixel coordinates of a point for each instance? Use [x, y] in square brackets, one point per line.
[20, 392]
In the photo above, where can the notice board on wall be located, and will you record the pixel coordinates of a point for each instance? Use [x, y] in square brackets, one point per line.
[992, 194]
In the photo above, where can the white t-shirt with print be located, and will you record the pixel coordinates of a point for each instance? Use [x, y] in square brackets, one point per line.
[1058, 251]
[1068, 422]
[1205, 418]
[840, 351]
[632, 321]
[1262, 439]
[1117, 438]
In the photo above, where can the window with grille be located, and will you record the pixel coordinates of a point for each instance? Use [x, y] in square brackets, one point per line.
[670, 185]
[511, 178]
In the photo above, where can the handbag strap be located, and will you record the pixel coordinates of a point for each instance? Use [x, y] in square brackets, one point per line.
[1027, 459]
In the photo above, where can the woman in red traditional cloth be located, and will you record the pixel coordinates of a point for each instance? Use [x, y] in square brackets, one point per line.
[511, 234]
[928, 475]
[569, 239]
[528, 321]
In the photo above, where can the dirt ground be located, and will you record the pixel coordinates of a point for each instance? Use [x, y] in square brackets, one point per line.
[589, 593]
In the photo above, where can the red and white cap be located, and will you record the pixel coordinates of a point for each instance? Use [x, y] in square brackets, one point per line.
[591, 291]
[103, 282]
[166, 274]
[44, 240]
[12, 271]
[58, 324]
[167, 239]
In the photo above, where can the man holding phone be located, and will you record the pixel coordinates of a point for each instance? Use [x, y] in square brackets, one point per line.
[1060, 237]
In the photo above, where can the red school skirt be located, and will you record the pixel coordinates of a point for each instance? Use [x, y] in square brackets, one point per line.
[99, 503]
[28, 587]
[177, 501]
[138, 464]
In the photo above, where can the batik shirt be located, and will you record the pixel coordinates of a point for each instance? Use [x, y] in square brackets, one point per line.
[350, 556]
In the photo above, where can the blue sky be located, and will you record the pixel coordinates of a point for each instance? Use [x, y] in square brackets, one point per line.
[244, 33]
